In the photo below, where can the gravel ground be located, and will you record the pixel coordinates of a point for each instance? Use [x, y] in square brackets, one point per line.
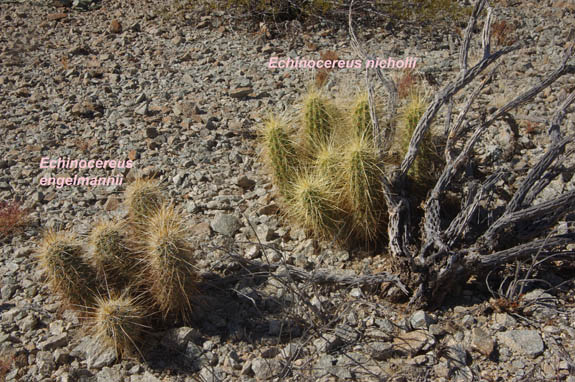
[182, 96]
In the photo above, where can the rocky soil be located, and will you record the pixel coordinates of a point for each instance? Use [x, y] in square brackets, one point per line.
[182, 94]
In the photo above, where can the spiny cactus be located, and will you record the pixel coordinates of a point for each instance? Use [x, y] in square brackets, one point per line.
[110, 254]
[167, 258]
[335, 189]
[421, 172]
[361, 119]
[142, 198]
[361, 174]
[327, 159]
[313, 203]
[317, 121]
[279, 152]
[119, 322]
[61, 256]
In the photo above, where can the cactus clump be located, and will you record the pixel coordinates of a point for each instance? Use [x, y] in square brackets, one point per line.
[61, 257]
[335, 189]
[141, 263]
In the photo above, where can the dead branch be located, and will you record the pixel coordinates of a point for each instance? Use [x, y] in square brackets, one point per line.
[321, 276]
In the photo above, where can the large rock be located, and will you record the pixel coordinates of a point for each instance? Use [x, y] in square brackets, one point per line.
[96, 354]
[527, 342]
[226, 224]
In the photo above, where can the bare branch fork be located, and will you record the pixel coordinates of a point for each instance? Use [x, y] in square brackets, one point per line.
[443, 257]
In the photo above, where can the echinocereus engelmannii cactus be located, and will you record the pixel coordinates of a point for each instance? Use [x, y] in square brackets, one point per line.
[169, 273]
[119, 322]
[110, 253]
[142, 198]
[61, 257]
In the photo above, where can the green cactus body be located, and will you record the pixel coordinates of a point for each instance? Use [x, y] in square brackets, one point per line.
[363, 187]
[281, 153]
[421, 171]
[362, 117]
[168, 259]
[316, 120]
[313, 204]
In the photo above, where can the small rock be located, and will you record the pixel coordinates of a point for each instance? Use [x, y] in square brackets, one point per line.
[109, 375]
[29, 323]
[270, 352]
[246, 183]
[356, 293]
[328, 343]
[45, 363]
[270, 209]
[115, 26]
[266, 234]
[252, 252]
[151, 132]
[97, 355]
[292, 351]
[210, 125]
[177, 40]
[233, 360]
[56, 16]
[142, 109]
[346, 333]
[210, 374]
[185, 109]
[240, 93]
[54, 342]
[61, 356]
[178, 338]
[147, 377]
[482, 342]
[265, 369]
[247, 368]
[7, 291]
[420, 320]
[526, 342]
[202, 229]
[381, 351]
[226, 224]
[112, 203]
[505, 320]
[413, 342]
